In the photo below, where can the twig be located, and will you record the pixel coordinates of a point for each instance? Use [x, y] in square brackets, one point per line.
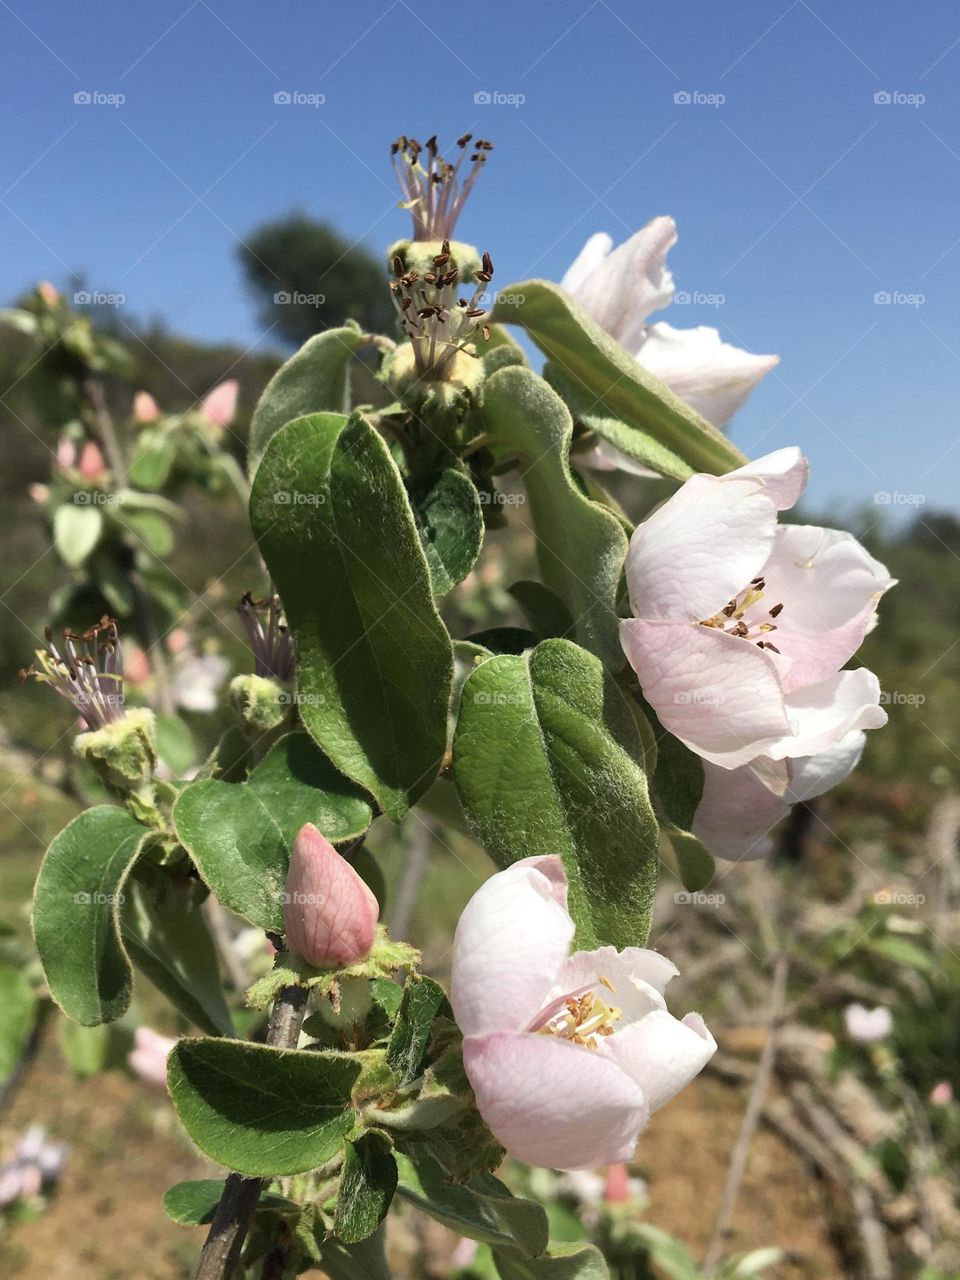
[751, 1119]
[231, 1222]
[217, 924]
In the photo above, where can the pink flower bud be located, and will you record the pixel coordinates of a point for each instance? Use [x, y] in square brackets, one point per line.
[220, 405]
[48, 293]
[941, 1094]
[66, 452]
[330, 915]
[148, 1057]
[145, 408]
[616, 1185]
[39, 493]
[92, 465]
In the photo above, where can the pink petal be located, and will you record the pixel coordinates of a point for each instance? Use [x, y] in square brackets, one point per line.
[510, 944]
[700, 548]
[736, 812]
[661, 1053]
[812, 776]
[330, 914]
[712, 376]
[718, 694]
[607, 457]
[619, 290]
[783, 472]
[220, 405]
[821, 715]
[553, 1103]
[829, 586]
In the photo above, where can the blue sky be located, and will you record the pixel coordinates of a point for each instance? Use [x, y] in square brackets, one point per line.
[799, 197]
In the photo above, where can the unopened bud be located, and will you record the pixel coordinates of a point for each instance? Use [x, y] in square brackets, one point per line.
[145, 408]
[220, 405]
[261, 702]
[91, 465]
[330, 915]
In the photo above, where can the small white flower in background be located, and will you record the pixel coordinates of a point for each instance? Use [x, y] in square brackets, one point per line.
[619, 289]
[35, 1166]
[568, 1055]
[867, 1025]
[148, 1057]
[941, 1095]
[196, 677]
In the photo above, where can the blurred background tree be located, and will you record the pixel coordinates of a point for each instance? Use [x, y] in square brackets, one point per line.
[305, 276]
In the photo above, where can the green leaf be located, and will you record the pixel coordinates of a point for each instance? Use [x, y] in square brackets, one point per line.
[175, 744]
[422, 1000]
[367, 1186]
[364, 1261]
[262, 1111]
[593, 414]
[75, 913]
[624, 389]
[167, 938]
[152, 460]
[374, 660]
[545, 612]
[451, 529]
[688, 857]
[76, 531]
[563, 1262]
[482, 1209]
[678, 781]
[240, 834]
[194, 1203]
[18, 1011]
[315, 380]
[149, 528]
[86, 1049]
[546, 760]
[581, 545]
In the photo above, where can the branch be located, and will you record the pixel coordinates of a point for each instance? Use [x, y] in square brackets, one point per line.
[231, 1222]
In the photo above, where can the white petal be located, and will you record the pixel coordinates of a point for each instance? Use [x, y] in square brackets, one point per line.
[712, 376]
[700, 548]
[586, 262]
[661, 1053]
[625, 286]
[821, 715]
[637, 975]
[719, 695]
[784, 473]
[736, 813]
[552, 1103]
[812, 776]
[605, 456]
[509, 947]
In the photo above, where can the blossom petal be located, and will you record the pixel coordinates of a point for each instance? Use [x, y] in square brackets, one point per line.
[605, 456]
[718, 694]
[509, 947]
[735, 813]
[662, 1052]
[712, 376]
[812, 776]
[783, 472]
[821, 715]
[637, 975]
[553, 1103]
[700, 548]
[620, 289]
[829, 586]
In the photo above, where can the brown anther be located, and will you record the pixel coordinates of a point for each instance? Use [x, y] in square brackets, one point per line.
[776, 610]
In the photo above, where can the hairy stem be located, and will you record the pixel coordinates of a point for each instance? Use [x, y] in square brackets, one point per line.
[231, 1222]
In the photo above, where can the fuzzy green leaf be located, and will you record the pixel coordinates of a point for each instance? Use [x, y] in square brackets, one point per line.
[367, 1187]
[451, 529]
